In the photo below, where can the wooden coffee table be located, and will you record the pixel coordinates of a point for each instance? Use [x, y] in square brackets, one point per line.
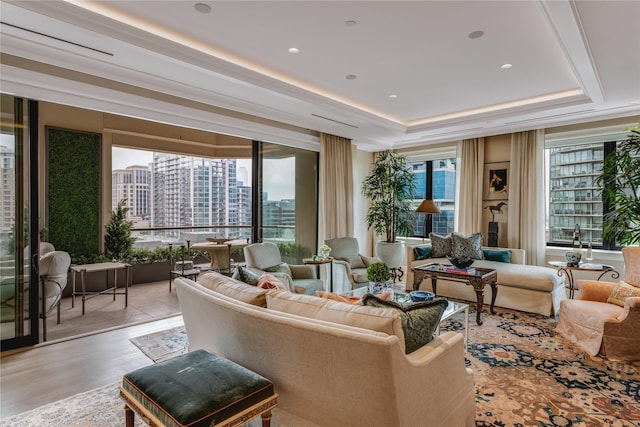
[478, 279]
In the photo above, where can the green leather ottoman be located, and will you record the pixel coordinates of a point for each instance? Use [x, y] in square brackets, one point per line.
[197, 389]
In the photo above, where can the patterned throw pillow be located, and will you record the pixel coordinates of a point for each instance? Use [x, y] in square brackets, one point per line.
[280, 268]
[245, 275]
[466, 246]
[422, 252]
[419, 320]
[621, 292]
[440, 245]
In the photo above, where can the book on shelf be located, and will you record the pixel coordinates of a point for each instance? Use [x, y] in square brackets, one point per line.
[467, 270]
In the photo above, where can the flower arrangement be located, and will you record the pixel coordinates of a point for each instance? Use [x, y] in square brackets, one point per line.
[324, 251]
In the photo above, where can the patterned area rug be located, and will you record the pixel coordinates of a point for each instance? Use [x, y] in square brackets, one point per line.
[525, 376]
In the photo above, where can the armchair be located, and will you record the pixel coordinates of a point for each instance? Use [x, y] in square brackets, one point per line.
[349, 265]
[53, 269]
[265, 257]
[605, 317]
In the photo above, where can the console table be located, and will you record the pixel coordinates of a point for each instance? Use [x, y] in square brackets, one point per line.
[92, 268]
[478, 279]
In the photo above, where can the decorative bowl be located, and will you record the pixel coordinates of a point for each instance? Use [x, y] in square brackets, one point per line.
[420, 296]
[460, 262]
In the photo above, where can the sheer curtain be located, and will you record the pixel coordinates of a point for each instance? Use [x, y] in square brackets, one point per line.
[526, 213]
[336, 187]
[471, 167]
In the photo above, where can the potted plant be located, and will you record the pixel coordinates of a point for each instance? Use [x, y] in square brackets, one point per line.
[620, 181]
[378, 274]
[118, 243]
[390, 188]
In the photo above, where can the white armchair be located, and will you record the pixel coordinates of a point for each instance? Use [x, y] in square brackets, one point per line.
[53, 269]
[265, 257]
[349, 265]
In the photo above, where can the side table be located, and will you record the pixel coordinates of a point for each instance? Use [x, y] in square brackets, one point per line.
[318, 262]
[106, 267]
[567, 270]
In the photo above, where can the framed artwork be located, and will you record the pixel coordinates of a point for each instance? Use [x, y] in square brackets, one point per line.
[496, 181]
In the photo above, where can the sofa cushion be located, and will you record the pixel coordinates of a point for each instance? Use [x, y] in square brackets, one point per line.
[465, 247]
[532, 277]
[419, 320]
[621, 292]
[498, 255]
[440, 245]
[233, 288]
[371, 318]
[422, 252]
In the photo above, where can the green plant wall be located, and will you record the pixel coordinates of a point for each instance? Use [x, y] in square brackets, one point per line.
[74, 191]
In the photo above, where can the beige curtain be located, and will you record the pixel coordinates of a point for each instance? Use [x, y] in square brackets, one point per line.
[336, 187]
[526, 214]
[470, 167]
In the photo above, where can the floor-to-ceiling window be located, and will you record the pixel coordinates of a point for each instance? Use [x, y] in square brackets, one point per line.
[18, 236]
[287, 199]
[435, 180]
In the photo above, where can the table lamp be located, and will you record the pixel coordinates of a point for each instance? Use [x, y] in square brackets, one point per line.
[427, 207]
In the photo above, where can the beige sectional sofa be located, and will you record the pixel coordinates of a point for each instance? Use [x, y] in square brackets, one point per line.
[327, 371]
[530, 288]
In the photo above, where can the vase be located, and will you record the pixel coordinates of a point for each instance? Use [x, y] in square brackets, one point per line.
[324, 254]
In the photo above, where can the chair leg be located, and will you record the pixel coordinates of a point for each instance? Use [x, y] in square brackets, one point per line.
[59, 312]
[129, 416]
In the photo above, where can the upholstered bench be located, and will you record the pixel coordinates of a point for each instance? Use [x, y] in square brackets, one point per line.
[197, 389]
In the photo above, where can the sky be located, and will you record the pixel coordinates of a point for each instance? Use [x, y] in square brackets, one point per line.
[277, 185]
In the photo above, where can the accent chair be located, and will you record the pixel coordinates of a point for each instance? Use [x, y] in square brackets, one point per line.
[349, 265]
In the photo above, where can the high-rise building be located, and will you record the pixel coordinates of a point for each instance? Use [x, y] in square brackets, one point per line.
[443, 188]
[7, 191]
[132, 184]
[574, 197]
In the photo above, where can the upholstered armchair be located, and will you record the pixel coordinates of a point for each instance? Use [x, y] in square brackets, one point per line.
[53, 268]
[605, 317]
[349, 265]
[265, 257]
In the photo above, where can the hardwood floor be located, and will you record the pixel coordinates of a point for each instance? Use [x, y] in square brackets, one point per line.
[65, 366]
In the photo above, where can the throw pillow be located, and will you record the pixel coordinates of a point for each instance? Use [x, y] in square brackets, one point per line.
[466, 246]
[499, 255]
[419, 321]
[422, 252]
[342, 298]
[354, 261]
[621, 292]
[440, 245]
[247, 276]
[269, 281]
[280, 268]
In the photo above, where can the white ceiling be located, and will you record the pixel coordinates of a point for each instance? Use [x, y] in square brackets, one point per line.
[572, 61]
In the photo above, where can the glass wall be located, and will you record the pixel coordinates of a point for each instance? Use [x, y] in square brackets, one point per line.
[288, 200]
[18, 296]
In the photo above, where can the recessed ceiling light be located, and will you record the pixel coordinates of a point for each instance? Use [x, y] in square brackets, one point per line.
[350, 23]
[506, 66]
[393, 96]
[294, 50]
[476, 34]
[202, 7]
[351, 77]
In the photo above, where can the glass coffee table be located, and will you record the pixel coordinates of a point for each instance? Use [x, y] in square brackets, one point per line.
[403, 298]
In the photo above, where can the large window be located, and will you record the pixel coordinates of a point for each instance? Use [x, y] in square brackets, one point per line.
[435, 180]
[574, 198]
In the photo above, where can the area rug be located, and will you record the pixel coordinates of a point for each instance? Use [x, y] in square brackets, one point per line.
[163, 345]
[525, 375]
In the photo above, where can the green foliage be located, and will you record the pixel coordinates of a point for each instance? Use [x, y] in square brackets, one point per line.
[390, 188]
[293, 253]
[378, 272]
[74, 192]
[118, 242]
[620, 180]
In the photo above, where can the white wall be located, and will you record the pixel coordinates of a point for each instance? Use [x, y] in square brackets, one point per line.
[362, 161]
